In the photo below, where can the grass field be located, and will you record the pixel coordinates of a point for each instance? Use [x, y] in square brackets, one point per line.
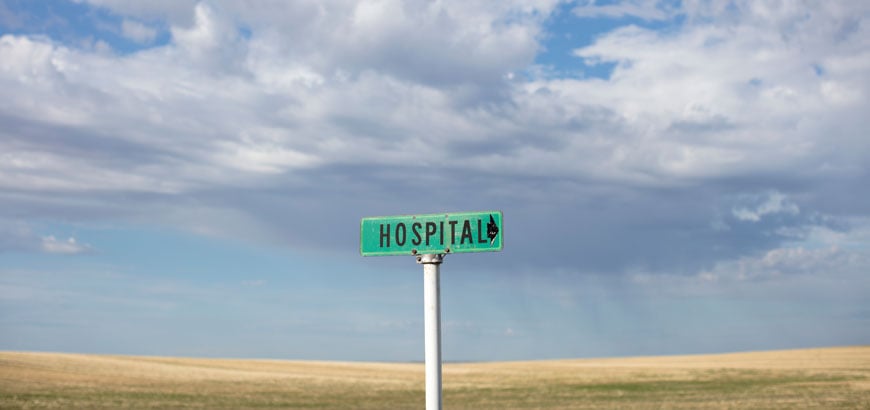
[829, 378]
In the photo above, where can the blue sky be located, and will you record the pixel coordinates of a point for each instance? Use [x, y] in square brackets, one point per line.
[187, 177]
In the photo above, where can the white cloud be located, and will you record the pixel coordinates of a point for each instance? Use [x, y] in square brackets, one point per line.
[138, 32]
[18, 236]
[817, 251]
[284, 97]
[70, 246]
[727, 97]
[821, 256]
[704, 101]
[774, 203]
[782, 261]
[194, 111]
[644, 9]
[176, 11]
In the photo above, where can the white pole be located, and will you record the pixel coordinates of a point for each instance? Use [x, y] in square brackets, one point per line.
[432, 316]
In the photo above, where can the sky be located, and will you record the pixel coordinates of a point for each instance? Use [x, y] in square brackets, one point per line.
[187, 178]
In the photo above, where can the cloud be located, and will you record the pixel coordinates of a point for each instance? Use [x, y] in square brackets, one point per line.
[175, 11]
[819, 254]
[138, 32]
[70, 246]
[212, 40]
[18, 236]
[785, 261]
[745, 85]
[812, 251]
[298, 118]
[775, 202]
[643, 9]
[605, 129]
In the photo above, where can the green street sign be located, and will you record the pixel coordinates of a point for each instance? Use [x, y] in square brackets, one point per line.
[431, 233]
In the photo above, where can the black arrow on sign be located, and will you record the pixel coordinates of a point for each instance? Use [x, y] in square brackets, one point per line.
[491, 230]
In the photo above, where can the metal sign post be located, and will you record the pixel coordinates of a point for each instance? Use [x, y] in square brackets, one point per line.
[432, 324]
[430, 237]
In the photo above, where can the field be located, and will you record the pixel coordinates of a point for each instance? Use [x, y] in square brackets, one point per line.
[829, 378]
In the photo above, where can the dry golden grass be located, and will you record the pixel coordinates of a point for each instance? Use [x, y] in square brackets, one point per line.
[813, 378]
